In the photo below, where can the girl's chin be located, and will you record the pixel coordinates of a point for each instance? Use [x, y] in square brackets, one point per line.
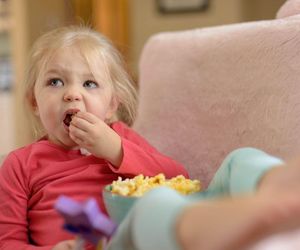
[65, 141]
[70, 144]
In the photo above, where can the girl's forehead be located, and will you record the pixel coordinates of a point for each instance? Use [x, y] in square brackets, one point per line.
[72, 58]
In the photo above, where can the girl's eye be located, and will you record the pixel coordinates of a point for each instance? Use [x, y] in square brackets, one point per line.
[56, 82]
[90, 84]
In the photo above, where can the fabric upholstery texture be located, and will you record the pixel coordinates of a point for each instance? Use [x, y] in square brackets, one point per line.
[206, 92]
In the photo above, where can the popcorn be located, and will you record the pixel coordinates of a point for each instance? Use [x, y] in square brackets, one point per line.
[139, 185]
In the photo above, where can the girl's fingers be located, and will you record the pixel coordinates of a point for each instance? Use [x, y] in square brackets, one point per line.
[87, 116]
[76, 140]
[85, 121]
[71, 243]
[77, 133]
[80, 123]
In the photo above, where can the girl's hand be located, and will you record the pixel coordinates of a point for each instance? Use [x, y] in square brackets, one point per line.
[65, 245]
[93, 134]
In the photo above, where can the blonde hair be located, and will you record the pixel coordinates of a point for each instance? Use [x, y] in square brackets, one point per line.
[93, 46]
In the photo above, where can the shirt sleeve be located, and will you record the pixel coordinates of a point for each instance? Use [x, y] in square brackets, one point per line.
[139, 157]
[241, 171]
[13, 207]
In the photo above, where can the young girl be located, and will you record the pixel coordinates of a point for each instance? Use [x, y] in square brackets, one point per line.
[78, 93]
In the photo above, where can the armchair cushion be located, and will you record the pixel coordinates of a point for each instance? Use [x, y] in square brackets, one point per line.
[206, 92]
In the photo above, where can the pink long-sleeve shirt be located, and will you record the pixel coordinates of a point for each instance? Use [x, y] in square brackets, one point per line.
[32, 178]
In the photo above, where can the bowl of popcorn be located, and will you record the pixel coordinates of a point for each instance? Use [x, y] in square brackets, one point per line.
[120, 195]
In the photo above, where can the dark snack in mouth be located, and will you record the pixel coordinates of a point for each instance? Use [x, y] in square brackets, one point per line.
[68, 118]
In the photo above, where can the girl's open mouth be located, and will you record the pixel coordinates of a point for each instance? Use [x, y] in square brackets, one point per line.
[69, 116]
[68, 119]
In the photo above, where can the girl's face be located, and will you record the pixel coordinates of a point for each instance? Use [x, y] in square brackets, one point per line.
[68, 85]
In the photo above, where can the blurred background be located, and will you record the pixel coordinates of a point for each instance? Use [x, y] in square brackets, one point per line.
[128, 23]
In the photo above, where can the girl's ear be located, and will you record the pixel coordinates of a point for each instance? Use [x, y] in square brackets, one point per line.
[113, 107]
[36, 111]
[34, 106]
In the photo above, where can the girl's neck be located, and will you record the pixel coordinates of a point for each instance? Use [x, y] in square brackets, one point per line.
[59, 145]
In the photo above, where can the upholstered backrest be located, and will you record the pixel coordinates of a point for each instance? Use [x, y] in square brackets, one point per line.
[205, 92]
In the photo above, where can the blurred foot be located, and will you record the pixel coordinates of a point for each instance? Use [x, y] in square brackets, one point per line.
[236, 223]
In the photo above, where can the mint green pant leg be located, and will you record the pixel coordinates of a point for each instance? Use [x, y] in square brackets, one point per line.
[241, 171]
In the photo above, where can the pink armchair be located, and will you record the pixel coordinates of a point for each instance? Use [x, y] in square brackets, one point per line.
[205, 92]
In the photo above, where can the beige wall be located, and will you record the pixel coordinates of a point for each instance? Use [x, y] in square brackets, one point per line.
[145, 20]
[260, 9]
[7, 139]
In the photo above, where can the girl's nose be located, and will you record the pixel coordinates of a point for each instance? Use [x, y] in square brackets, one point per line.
[72, 95]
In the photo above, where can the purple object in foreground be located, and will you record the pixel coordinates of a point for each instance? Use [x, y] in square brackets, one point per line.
[85, 219]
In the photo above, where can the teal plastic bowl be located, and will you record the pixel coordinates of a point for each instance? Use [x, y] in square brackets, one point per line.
[117, 206]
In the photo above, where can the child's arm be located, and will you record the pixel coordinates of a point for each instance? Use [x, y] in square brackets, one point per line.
[127, 152]
[13, 207]
[140, 157]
